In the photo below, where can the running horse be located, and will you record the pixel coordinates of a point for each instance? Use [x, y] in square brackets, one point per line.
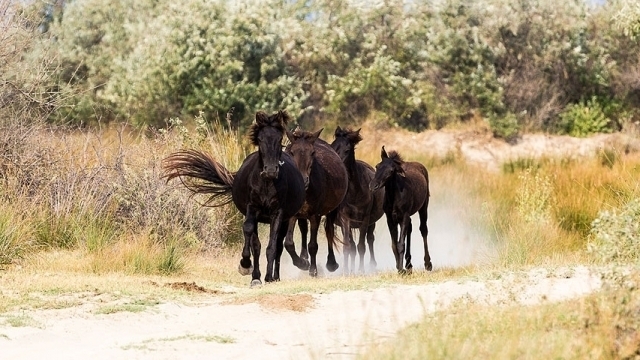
[268, 188]
[361, 208]
[406, 191]
[326, 181]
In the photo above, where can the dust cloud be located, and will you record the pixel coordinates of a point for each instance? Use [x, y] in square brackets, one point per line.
[457, 237]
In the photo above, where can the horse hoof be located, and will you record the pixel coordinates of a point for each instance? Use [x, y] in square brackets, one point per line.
[313, 272]
[428, 267]
[405, 271]
[303, 264]
[332, 266]
[245, 271]
[255, 283]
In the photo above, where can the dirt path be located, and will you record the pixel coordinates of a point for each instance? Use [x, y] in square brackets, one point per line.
[336, 325]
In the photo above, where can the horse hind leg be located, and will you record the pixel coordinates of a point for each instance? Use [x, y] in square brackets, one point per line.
[424, 231]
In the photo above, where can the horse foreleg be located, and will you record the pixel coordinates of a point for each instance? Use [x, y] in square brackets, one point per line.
[298, 262]
[405, 227]
[313, 244]
[424, 231]
[304, 229]
[284, 227]
[407, 251]
[332, 264]
[393, 231]
[276, 222]
[249, 230]
[346, 245]
[370, 239]
[362, 246]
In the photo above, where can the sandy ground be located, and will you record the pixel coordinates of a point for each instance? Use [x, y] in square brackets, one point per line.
[336, 325]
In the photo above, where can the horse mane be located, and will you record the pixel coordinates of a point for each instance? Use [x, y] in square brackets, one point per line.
[353, 136]
[393, 155]
[277, 120]
[298, 133]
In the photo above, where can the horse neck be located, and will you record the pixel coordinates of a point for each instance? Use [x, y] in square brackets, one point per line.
[392, 187]
[352, 166]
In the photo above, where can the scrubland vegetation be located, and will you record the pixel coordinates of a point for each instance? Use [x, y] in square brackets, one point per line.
[94, 94]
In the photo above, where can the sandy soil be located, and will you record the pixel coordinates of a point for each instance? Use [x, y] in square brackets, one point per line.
[336, 325]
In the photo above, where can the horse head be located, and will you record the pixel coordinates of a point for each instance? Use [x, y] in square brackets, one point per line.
[390, 165]
[345, 142]
[302, 150]
[266, 133]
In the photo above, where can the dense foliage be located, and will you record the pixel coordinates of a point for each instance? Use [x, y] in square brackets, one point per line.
[564, 67]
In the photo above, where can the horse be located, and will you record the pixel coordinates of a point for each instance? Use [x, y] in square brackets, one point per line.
[326, 181]
[268, 188]
[360, 208]
[406, 190]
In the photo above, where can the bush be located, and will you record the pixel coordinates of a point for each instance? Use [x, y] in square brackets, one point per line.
[615, 235]
[585, 118]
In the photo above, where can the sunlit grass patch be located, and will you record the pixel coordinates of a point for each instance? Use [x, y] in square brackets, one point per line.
[603, 325]
[135, 306]
[22, 320]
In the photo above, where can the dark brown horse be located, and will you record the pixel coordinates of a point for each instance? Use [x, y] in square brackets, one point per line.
[360, 208]
[406, 190]
[325, 178]
[268, 188]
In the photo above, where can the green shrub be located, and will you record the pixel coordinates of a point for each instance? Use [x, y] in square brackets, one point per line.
[505, 127]
[615, 235]
[585, 118]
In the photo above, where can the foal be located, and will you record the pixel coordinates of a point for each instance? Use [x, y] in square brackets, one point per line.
[406, 190]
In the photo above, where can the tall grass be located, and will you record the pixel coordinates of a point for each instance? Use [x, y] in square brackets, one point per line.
[101, 191]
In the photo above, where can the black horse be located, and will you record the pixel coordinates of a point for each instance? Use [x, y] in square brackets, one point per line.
[268, 188]
[406, 190]
[360, 208]
[326, 181]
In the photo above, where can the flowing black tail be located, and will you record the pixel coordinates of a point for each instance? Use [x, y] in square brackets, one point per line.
[200, 174]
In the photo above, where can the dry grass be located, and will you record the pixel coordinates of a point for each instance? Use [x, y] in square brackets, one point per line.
[603, 325]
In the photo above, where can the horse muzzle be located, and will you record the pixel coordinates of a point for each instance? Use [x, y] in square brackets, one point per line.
[270, 172]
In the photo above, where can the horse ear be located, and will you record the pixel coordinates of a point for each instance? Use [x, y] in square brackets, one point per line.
[261, 118]
[317, 133]
[383, 153]
[338, 130]
[401, 173]
[284, 116]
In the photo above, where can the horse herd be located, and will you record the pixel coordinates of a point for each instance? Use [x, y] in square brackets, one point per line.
[306, 181]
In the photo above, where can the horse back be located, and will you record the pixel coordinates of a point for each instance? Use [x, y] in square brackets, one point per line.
[328, 181]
